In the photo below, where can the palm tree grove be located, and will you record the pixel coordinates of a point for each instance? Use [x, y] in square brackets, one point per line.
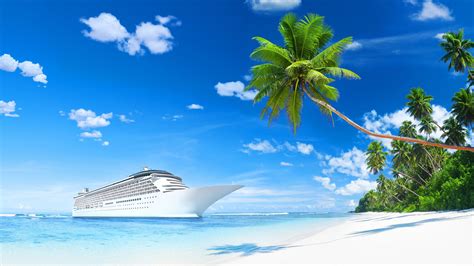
[424, 172]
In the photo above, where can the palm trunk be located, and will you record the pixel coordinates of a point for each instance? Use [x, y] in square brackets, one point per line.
[412, 178]
[413, 192]
[383, 136]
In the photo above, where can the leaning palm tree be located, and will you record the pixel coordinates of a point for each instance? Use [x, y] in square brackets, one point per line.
[427, 125]
[463, 107]
[402, 154]
[419, 104]
[306, 66]
[457, 51]
[455, 133]
[408, 129]
[376, 157]
[470, 78]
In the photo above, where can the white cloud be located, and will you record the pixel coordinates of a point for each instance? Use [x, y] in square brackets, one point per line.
[433, 11]
[356, 187]
[288, 146]
[157, 38]
[392, 44]
[248, 77]
[325, 182]
[28, 68]
[105, 143]
[274, 5]
[260, 145]
[440, 114]
[389, 122]
[195, 107]
[172, 117]
[8, 63]
[93, 134]
[382, 124]
[235, 88]
[125, 119]
[41, 78]
[351, 203]
[8, 108]
[167, 19]
[350, 163]
[439, 36]
[286, 164]
[105, 28]
[304, 148]
[411, 2]
[354, 46]
[62, 113]
[263, 146]
[88, 119]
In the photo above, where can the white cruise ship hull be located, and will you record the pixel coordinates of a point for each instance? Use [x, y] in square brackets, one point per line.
[182, 203]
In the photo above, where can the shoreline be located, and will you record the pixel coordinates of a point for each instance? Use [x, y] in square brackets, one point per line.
[376, 238]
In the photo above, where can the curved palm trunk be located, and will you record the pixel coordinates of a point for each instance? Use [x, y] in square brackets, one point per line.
[407, 189]
[412, 178]
[383, 136]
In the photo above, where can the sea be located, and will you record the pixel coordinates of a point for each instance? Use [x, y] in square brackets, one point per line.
[40, 239]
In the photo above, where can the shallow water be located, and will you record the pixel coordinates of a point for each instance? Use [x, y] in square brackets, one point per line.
[60, 239]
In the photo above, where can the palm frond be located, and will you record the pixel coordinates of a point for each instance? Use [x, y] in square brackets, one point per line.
[287, 30]
[330, 55]
[317, 77]
[270, 52]
[308, 33]
[340, 72]
[294, 105]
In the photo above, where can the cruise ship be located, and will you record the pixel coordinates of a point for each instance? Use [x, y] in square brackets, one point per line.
[149, 193]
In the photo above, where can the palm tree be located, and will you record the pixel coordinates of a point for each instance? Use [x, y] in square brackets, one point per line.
[470, 78]
[455, 133]
[408, 129]
[376, 157]
[304, 67]
[457, 50]
[419, 104]
[463, 107]
[427, 125]
[402, 154]
[386, 188]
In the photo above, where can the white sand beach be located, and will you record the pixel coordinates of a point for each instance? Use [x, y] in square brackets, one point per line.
[376, 238]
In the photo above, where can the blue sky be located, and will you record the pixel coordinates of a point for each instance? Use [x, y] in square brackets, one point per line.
[93, 91]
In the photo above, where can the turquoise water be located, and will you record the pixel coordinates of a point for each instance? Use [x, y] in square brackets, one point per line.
[50, 239]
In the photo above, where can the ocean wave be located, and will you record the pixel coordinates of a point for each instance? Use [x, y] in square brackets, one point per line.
[33, 215]
[7, 215]
[249, 214]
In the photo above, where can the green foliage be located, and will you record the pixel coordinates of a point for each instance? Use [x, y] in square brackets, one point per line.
[305, 65]
[457, 51]
[424, 178]
[454, 132]
[419, 104]
[451, 188]
[376, 157]
[463, 106]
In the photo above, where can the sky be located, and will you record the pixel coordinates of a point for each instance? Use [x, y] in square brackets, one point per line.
[92, 91]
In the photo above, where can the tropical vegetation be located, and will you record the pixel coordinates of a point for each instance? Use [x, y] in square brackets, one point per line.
[429, 178]
[432, 166]
[308, 63]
